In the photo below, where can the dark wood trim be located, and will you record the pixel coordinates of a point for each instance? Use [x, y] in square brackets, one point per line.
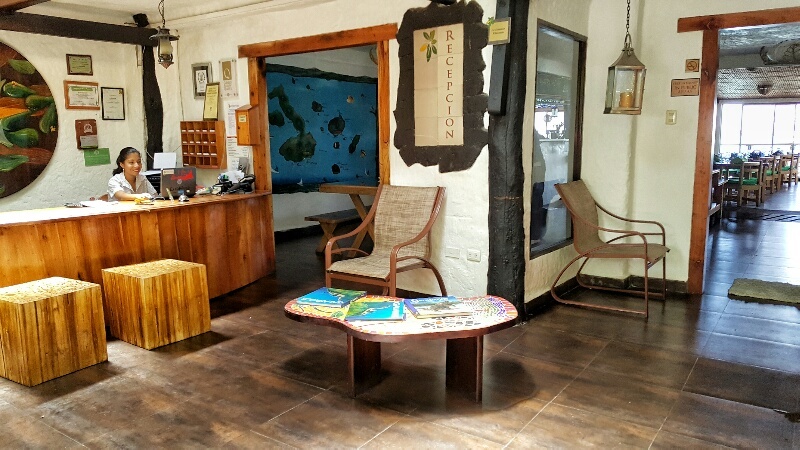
[507, 262]
[319, 42]
[256, 71]
[702, 172]
[9, 6]
[77, 29]
[741, 19]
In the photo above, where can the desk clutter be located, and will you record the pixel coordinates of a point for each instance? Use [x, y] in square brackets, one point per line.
[55, 326]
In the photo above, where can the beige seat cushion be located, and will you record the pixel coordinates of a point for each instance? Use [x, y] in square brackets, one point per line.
[373, 266]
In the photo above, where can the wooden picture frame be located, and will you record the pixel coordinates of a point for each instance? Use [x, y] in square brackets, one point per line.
[113, 103]
[201, 76]
[81, 95]
[79, 65]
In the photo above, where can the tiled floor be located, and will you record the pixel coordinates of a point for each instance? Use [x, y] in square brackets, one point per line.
[702, 372]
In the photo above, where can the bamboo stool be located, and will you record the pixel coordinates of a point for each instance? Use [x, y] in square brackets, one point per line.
[157, 303]
[49, 328]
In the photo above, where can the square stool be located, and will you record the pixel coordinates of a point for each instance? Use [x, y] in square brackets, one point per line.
[49, 328]
[157, 303]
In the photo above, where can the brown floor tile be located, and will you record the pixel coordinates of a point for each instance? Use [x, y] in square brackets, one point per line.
[745, 384]
[618, 396]
[763, 329]
[412, 433]
[527, 377]
[784, 313]
[669, 441]
[676, 338]
[563, 427]
[772, 355]
[314, 423]
[252, 440]
[557, 346]
[595, 323]
[21, 430]
[729, 423]
[646, 364]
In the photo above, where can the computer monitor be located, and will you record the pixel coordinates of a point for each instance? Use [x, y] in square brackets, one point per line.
[180, 180]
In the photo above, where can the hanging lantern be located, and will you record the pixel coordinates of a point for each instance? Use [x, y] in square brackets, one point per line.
[163, 37]
[625, 87]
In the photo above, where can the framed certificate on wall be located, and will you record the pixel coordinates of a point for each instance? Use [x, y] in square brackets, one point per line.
[113, 103]
[81, 95]
[211, 104]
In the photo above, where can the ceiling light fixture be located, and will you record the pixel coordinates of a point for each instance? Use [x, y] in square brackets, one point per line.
[764, 88]
[625, 87]
[164, 37]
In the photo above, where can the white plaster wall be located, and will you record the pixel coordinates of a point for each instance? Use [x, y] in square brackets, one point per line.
[66, 178]
[463, 220]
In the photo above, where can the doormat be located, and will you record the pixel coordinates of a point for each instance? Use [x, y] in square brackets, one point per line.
[747, 289]
[765, 214]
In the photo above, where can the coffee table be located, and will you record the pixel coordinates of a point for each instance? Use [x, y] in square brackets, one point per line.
[464, 334]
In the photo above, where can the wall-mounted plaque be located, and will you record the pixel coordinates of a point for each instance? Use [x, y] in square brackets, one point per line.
[86, 133]
[113, 100]
[79, 64]
[500, 31]
[211, 104]
[686, 87]
[692, 65]
[81, 95]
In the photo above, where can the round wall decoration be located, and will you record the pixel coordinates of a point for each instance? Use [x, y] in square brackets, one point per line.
[28, 122]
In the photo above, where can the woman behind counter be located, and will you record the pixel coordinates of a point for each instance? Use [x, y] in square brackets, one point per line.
[127, 183]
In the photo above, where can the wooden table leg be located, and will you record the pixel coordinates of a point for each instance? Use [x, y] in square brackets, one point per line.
[465, 365]
[362, 211]
[327, 234]
[364, 361]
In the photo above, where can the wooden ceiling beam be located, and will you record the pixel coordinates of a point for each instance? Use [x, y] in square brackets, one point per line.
[328, 41]
[9, 6]
[76, 29]
[737, 20]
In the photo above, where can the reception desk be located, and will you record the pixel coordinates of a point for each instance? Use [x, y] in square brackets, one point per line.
[232, 235]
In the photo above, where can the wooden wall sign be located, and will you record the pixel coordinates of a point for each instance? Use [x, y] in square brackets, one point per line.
[686, 87]
[440, 116]
[86, 133]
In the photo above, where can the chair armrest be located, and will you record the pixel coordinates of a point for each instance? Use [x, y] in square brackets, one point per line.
[329, 246]
[651, 222]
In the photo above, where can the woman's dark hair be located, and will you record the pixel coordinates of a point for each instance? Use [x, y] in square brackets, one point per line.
[123, 155]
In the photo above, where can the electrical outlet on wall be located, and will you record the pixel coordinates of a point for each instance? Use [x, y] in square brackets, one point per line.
[452, 252]
[473, 255]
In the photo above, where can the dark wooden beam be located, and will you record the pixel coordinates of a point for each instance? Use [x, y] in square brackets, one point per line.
[9, 6]
[77, 29]
[736, 20]
[328, 41]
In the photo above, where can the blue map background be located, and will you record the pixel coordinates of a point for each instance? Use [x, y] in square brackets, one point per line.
[317, 99]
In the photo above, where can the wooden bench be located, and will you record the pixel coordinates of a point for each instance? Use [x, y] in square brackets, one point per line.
[330, 222]
[49, 328]
[157, 303]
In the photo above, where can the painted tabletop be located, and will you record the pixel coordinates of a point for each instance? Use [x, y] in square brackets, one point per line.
[490, 314]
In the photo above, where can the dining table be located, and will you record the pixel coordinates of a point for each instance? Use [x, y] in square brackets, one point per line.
[355, 189]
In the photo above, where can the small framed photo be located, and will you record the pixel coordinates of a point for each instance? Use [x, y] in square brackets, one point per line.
[201, 76]
[113, 102]
[81, 95]
[79, 64]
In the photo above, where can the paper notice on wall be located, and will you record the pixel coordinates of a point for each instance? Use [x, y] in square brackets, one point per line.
[230, 118]
[235, 151]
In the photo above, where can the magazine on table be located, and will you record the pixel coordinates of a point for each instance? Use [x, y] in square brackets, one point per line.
[376, 308]
[437, 307]
[330, 297]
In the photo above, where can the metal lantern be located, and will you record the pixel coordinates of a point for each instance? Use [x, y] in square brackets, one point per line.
[625, 88]
[163, 37]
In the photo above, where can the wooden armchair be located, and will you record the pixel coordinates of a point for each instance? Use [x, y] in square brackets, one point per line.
[745, 179]
[587, 242]
[402, 217]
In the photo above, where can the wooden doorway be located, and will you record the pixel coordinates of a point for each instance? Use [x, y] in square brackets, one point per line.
[710, 26]
[255, 53]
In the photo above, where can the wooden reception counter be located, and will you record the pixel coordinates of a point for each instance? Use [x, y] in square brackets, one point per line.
[232, 235]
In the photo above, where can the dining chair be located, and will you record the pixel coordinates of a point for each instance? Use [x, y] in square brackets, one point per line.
[746, 178]
[587, 242]
[402, 218]
[771, 174]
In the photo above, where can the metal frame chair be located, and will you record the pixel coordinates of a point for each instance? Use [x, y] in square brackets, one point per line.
[588, 244]
[402, 218]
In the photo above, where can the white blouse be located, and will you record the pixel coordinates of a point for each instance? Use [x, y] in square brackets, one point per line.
[119, 183]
